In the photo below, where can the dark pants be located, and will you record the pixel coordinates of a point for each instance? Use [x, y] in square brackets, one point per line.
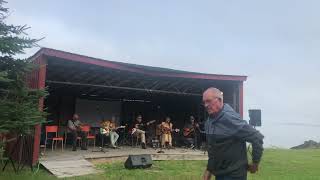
[189, 141]
[226, 177]
[75, 134]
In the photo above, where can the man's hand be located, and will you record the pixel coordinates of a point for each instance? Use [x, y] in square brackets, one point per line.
[253, 168]
[206, 175]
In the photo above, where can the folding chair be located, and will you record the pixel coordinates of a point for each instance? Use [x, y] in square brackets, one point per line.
[134, 137]
[55, 139]
[86, 130]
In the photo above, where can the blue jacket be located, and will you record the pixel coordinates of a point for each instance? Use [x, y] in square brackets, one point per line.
[227, 135]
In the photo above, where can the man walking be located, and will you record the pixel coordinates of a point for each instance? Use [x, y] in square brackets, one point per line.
[227, 135]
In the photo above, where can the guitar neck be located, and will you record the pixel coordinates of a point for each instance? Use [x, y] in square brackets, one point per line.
[150, 122]
[117, 127]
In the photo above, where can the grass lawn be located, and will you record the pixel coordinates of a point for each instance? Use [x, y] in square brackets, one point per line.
[276, 164]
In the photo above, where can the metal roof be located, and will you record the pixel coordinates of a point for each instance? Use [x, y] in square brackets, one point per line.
[147, 70]
[86, 76]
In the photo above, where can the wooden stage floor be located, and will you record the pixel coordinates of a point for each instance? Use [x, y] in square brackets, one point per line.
[69, 163]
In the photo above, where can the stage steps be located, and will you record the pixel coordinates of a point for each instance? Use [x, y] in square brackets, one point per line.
[69, 167]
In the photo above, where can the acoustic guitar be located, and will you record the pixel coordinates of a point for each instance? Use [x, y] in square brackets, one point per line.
[166, 130]
[188, 131]
[147, 124]
[107, 130]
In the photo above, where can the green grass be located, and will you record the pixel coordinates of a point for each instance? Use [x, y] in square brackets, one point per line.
[276, 164]
[289, 165]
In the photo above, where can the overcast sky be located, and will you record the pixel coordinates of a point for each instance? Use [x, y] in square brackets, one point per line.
[275, 43]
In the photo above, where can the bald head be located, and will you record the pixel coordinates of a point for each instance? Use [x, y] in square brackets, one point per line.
[213, 100]
[75, 117]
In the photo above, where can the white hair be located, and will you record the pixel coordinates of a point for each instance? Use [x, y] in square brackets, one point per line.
[215, 91]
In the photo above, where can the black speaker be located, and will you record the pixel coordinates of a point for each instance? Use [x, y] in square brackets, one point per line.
[138, 161]
[255, 117]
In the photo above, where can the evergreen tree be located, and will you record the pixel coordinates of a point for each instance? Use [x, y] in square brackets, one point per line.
[19, 105]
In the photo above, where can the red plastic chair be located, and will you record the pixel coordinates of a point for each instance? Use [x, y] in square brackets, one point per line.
[86, 130]
[55, 139]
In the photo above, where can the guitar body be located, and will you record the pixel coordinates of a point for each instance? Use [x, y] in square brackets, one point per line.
[187, 131]
[105, 131]
[167, 128]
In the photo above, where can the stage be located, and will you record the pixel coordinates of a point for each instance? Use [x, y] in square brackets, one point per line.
[69, 163]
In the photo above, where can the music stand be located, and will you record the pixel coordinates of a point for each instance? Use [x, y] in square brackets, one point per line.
[124, 136]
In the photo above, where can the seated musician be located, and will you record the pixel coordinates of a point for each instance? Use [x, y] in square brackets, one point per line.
[109, 129]
[166, 129]
[74, 125]
[140, 131]
[189, 132]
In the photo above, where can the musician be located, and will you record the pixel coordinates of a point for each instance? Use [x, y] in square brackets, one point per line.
[166, 129]
[109, 129]
[140, 131]
[74, 126]
[190, 132]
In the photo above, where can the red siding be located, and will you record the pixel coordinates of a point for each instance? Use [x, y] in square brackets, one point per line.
[36, 80]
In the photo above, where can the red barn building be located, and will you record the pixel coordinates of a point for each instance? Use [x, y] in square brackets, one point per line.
[98, 89]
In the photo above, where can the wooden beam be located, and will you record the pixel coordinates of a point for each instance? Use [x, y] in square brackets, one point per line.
[125, 88]
[41, 73]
